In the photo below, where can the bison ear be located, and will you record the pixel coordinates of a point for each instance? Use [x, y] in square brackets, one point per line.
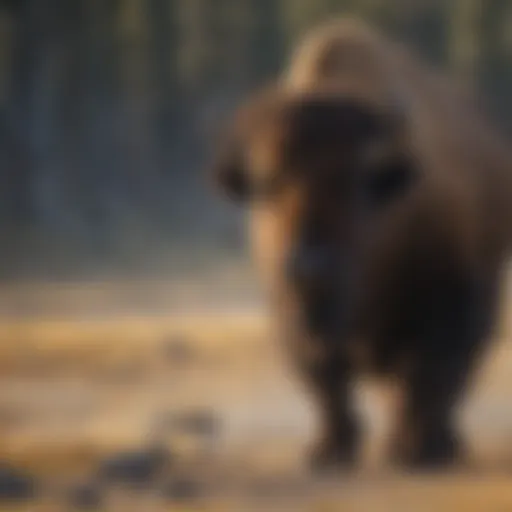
[230, 175]
[231, 172]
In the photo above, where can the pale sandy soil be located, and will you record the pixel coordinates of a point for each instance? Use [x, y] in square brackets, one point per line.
[82, 382]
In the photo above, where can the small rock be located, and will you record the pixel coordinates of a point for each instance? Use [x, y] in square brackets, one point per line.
[200, 422]
[15, 485]
[135, 468]
[128, 372]
[182, 489]
[178, 350]
[86, 497]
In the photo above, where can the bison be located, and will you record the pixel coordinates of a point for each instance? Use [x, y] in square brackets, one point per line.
[379, 210]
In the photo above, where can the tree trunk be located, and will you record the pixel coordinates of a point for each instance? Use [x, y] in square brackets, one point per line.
[169, 109]
[29, 118]
[266, 42]
[496, 76]
[464, 45]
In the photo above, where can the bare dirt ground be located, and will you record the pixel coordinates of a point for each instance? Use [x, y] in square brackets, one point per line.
[84, 381]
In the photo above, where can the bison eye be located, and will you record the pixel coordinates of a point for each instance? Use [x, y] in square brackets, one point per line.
[389, 182]
[266, 186]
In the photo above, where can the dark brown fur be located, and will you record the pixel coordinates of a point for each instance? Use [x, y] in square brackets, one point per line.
[364, 153]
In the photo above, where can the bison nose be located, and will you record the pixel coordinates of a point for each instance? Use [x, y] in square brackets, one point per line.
[310, 267]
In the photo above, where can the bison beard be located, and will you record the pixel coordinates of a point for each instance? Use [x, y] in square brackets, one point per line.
[381, 220]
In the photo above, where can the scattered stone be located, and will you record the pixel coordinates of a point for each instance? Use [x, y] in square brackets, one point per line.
[129, 371]
[182, 489]
[178, 350]
[138, 468]
[86, 497]
[201, 422]
[15, 485]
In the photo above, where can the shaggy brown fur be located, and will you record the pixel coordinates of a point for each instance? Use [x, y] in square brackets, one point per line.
[381, 220]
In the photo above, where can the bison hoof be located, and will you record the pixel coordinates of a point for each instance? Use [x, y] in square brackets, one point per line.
[331, 455]
[433, 454]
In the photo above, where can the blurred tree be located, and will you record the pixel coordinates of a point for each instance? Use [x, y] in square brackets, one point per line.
[136, 127]
[265, 39]
[299, 17]
[107, 106]
[29, 121]
[424, 24]
[496, 71]
[170, 99]
[465, 38]
[205, 43]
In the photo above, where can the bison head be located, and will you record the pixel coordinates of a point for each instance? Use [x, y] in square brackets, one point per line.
[320, 171]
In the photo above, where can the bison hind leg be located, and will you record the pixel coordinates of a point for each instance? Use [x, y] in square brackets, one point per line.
[450, 345]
